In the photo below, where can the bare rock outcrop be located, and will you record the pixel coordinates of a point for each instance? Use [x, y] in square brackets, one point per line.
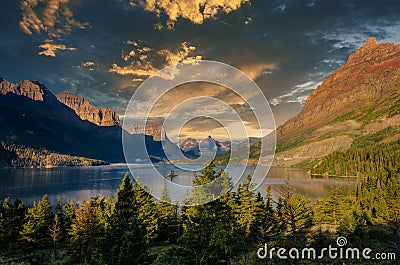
[86, 111]
[30, 89]
[154, 130]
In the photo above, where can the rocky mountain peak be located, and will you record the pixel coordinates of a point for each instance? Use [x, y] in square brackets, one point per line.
[368, 75]
[73, 101]
[154, 130]
[370, 43]
[30, 89]
[86, 111]
[371, 51]
[6, 87]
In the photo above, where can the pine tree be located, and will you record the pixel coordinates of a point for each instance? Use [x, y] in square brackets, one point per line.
[330, 211]
[296, 218]
[268, 230]
[84, 231]
[146, 212]
[37, 222]
[207, 228]
[124, 242]
[168, 215]
[55, 233]
[67, 220]
[11, 223]
[248, 208]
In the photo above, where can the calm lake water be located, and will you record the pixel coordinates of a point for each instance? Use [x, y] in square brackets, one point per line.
[82, 183]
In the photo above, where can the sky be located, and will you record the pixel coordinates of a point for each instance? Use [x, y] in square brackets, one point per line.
[104, 49]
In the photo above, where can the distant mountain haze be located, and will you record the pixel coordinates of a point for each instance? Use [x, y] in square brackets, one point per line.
[191, 145]
[154, 130]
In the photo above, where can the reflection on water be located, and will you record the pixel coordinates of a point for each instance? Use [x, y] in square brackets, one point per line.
[300, 182]
[82, 183]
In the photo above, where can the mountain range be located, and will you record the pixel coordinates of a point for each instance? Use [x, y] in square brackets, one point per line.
[192, 146]
[85, 111]
[189, 146]
[31, 115]
[359, 100]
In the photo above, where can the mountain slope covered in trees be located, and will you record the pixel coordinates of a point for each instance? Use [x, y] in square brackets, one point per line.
[12, 155]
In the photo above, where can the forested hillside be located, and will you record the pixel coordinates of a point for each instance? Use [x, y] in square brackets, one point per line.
[12, 155]
[353, 162]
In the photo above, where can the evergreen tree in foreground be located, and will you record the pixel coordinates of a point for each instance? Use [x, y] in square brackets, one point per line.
[169, 219]
[208, 228]
[249, 214]
[84, 231]
[133, 228]
[295, 218]
[12, 218]
[37, 222]
[126, 242]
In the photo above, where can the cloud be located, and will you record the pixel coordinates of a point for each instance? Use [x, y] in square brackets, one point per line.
[194, 10]
[184, 92]
[199, 125]
[144, 70]
[144, 61]
[87, 64]
[257, 69]
[52, 17]
[248, 20]
[50, 48]
[354, 36]
[300, 41]
[298, 94]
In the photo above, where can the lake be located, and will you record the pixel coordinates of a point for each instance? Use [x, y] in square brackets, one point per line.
[82, 183]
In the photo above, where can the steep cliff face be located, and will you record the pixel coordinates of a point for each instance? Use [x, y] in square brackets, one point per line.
[29, 89]
[35, 91]
[83, 108]
[370, 75]
[6, 87]
[154, 130]
[33, 98]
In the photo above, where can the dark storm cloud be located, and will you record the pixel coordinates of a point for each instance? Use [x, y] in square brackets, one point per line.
[288, 47]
